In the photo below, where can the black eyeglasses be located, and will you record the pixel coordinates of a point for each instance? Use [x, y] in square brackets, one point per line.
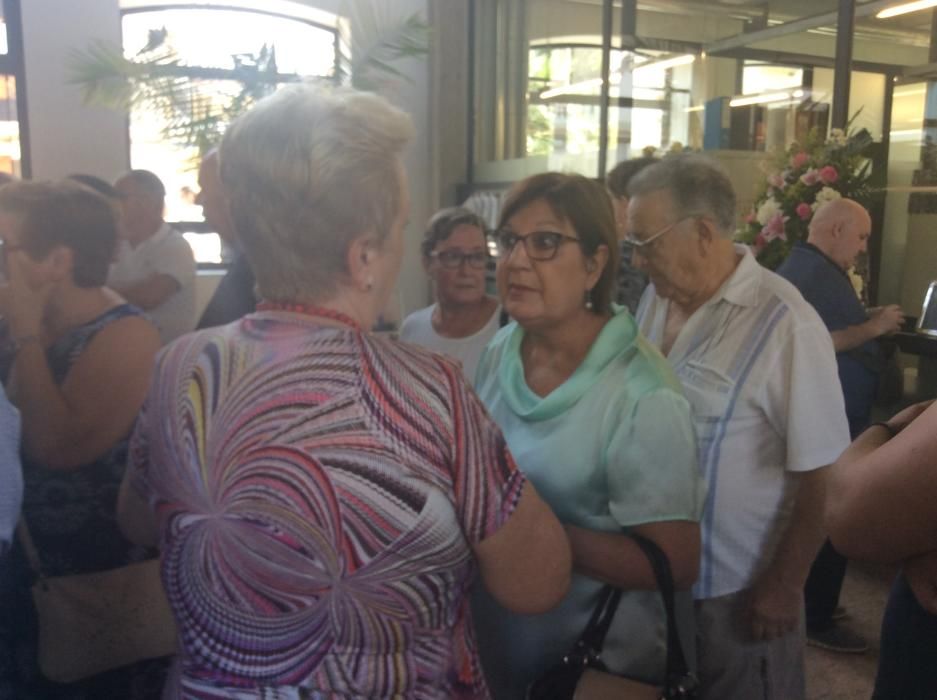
[539, 245]
[451, 259]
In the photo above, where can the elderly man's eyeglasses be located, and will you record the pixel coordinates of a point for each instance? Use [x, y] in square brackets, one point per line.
[452, 259]
[539, 245]
[640, 243]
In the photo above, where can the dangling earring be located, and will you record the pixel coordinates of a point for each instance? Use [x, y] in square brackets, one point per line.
[588, 299]
[369, 284]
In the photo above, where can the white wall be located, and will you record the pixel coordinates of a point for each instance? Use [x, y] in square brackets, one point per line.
[64, 135]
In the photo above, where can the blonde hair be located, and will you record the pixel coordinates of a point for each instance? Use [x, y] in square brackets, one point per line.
[307, 171]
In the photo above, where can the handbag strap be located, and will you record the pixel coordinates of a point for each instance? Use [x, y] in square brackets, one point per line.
[593, 636]
[676, 660]
[29, 547]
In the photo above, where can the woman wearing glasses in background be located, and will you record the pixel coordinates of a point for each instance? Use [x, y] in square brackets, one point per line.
[597, 421]
[464, 318]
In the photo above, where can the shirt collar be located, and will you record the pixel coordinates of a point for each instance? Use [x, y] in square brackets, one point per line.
[811, 248]
[743, 284]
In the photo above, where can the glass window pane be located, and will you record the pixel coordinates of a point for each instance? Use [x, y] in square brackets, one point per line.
[907, 263]
[10, 158]
[236, 36]
[4, 40]
[300, 47]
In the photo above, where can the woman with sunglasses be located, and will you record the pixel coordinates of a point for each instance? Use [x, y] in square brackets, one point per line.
[464, 318]
[597, 421]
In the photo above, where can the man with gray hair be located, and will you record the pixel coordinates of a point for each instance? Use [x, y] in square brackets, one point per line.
[758, 367]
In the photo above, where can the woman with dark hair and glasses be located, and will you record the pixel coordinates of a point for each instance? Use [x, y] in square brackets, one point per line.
[597, 421]
[464, 318]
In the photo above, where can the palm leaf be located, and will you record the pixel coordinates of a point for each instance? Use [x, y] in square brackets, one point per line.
[380, 36]
[156, 79]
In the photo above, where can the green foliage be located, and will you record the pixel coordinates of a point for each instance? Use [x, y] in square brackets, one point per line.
[380, 38]
[155, 79]
[186, 99]
[798, 181]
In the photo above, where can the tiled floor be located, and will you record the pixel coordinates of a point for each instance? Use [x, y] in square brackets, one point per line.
[848, 676]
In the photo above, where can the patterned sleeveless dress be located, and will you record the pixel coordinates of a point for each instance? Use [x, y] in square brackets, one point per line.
[72, 519]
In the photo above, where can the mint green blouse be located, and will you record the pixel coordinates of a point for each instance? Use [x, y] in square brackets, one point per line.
[611, 447]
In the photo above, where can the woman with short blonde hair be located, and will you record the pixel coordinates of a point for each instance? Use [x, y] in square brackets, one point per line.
[323, 496]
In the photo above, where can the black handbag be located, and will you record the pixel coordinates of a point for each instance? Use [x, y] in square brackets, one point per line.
[584, 676]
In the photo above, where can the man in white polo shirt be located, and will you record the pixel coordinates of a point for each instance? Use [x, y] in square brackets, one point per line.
[155, 268]
[758, 366]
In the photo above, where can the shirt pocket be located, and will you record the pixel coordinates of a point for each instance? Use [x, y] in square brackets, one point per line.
[708, 389]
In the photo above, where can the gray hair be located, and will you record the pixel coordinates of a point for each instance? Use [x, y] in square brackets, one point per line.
[697, 185]
[307, 171]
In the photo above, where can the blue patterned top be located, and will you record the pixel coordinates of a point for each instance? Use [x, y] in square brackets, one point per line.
[72, 513]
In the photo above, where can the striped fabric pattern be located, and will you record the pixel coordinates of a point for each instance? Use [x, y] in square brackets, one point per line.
[712, 435]
[759, 369]
[318, 492]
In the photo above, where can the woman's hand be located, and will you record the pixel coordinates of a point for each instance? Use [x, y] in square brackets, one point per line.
[23, 306]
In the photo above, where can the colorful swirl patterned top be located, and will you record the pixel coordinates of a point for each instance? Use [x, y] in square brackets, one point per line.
[318, 492]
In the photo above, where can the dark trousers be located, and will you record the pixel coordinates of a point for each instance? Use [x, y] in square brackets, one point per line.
[821, 592]
[906, 663]
[825, 581]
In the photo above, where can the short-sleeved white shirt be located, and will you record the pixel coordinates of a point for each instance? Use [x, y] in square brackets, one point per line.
[758, 367]
[418, 328]
[166, 252]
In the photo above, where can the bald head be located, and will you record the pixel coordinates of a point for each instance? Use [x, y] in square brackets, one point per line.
[841, 229]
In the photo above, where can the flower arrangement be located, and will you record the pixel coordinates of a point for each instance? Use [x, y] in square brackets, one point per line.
[798, 182]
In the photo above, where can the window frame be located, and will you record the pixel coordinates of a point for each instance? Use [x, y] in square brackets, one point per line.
[200, 227]
[12, 63]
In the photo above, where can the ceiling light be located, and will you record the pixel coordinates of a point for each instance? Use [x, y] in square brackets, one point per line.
[760, 99]
[682, 60]
[571, 89]
[905, 8]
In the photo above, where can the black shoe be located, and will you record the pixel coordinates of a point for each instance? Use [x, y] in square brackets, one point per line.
[839, 639]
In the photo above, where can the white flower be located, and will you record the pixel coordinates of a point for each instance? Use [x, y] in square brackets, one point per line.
[856, 280]
[837, 137]
[827, 194]
[767, 210]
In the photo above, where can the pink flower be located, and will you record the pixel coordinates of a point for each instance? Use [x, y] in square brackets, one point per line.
[776, 181]
[811, 177]
[759, 244]
[799, 160]
[828, 175]
[804, 211]
[774, 228]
